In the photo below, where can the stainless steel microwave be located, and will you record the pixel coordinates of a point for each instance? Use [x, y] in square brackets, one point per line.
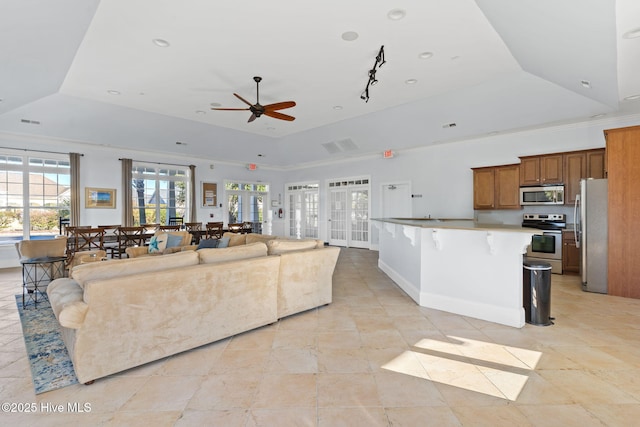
[548, 195]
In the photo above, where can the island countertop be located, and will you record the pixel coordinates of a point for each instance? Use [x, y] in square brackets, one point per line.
[458, 224]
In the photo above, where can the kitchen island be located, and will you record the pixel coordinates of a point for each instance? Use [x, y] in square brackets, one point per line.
[458, 266]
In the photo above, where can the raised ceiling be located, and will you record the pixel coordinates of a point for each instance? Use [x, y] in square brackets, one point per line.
[486, 65]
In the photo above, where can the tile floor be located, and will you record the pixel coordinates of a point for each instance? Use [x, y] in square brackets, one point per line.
[371, 358]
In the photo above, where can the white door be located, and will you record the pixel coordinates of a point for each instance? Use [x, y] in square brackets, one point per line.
[338, 217]
[302, 210]
[396, 200]
[349, 208]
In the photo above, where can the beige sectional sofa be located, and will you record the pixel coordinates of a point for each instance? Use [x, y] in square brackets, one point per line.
[118, 314]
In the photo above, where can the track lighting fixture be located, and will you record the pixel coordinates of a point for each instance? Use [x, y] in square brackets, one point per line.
[372, 74]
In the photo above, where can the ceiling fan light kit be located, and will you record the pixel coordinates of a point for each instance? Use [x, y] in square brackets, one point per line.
[258, 110]
[372, 74]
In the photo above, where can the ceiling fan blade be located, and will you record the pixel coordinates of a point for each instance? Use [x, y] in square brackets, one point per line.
[279, 105]
[231, 109]
[252, 118]
[280, 116]
[243, 100]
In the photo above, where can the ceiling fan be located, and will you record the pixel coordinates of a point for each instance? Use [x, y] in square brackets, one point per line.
[268, 110]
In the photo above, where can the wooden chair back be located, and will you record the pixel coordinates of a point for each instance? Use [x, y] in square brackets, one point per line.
[214, 230]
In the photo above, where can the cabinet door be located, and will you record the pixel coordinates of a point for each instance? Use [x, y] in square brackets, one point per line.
[530, 171]
[595, 164]
[507, 190]
[551, 169]
[483, 188]
[575, 168]
[570, 253]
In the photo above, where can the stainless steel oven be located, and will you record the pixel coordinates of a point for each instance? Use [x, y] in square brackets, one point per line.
[548, 245]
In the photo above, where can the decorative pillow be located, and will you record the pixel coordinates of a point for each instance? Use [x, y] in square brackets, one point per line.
[223, 243]
[158, 243]
[208, 243]
[173, 240]
[236, 239]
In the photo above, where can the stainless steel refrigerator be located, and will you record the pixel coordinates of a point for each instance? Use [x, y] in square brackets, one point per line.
[590, 215]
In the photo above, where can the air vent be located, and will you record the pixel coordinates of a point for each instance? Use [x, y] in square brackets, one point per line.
[30, 122]
[340, 146]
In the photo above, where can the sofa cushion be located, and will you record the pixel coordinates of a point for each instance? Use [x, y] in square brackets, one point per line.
[208, 244]
[236, 239]
[158, 243]
[212, 256]
[281, 246]
[255, 237]
[124, 267]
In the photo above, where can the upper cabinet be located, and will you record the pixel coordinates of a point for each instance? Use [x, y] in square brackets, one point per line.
[579, 165]
[496, 187]
[541, 170]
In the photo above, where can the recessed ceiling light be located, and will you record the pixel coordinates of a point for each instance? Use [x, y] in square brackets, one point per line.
[349, 36]
[180, 143]
[632, 34]
[113, 92]
[216, 104]
[597, 116]
[337, 107]
[425, 55]
[200, 112]
[396, 14]
[631, 97]
[411, 81]
[585, 83]
[262, 155]
[161, 43]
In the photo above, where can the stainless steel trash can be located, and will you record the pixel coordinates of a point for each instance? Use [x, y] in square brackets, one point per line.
[536, 292]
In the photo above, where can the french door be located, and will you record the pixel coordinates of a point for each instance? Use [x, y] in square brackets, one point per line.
[349, 207]
[302, 210]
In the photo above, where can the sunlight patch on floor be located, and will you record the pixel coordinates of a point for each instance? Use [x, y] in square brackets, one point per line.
[492, 369]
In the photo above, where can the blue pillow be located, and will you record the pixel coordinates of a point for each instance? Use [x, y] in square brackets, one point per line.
[173, 240]
[207, 243]
[224, 242]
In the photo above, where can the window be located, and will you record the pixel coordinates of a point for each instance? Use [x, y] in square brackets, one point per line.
[159, 193]
[34, 194]
[246, 202]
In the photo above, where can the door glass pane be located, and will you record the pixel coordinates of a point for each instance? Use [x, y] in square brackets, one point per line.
[360, 215]
[338, 215]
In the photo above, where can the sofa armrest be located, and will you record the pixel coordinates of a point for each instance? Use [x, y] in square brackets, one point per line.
[136, 251]
[66, 298]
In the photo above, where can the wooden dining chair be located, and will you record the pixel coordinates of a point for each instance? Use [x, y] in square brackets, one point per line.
[236, 227]
[176, 220]
[195, 229]
[214, 230]
[128, 237]
[110, 237]
[169, 227]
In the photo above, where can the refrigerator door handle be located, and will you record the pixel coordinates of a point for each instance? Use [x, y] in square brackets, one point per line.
[576, 215]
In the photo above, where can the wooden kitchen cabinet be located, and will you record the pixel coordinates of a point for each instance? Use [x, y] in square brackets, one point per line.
[541, 170]
[496, 187]
[570, 253]
[623, 173]
[579, 165]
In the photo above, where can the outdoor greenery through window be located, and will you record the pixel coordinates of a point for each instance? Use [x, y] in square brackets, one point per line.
[34, 194]
[159, 193]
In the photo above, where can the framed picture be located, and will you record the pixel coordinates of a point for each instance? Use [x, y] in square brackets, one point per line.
[209, 194]
[100, 198]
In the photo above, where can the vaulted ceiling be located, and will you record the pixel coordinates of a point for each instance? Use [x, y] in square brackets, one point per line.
[145, 74]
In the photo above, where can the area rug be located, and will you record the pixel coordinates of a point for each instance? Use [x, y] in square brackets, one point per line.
[51, 366]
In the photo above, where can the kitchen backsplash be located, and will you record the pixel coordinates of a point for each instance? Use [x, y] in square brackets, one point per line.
[514, 217]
